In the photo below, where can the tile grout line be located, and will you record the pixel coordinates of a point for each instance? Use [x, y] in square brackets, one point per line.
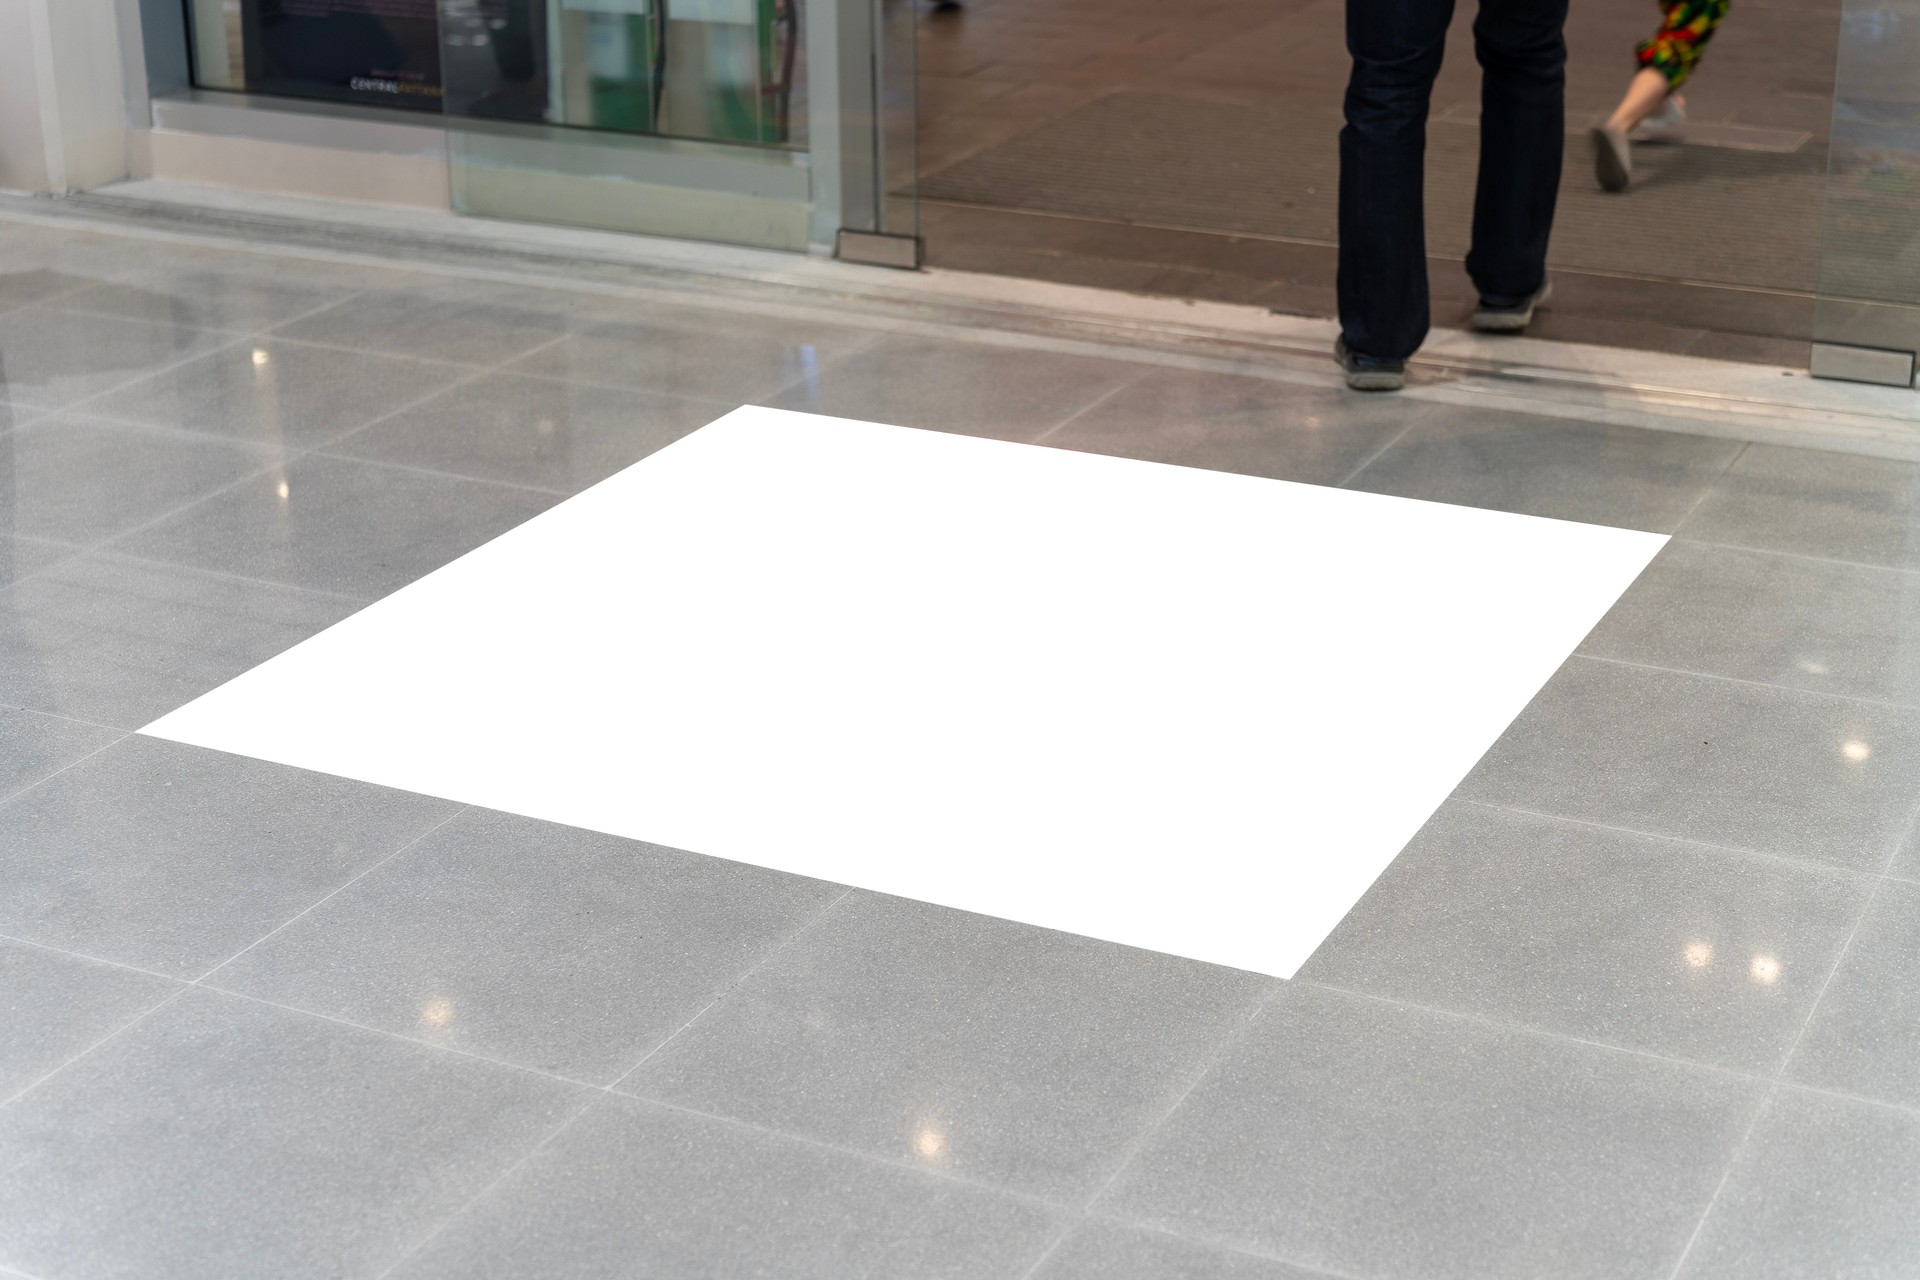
[11, 796]
[605, 1090]
[342, 596]
[328, 897]
[286, 459]
[758, 964]
[1126, 384]
[387, 464]
[132, 1022]
[1204, 1069]
[131, 281]
[78, 406]
[90, 959]
[1375, 456]
[439, 1228]
[1904, 570]
[1527, 1029]
[398, 1037]
[1754, 684]
[1780, 1081]
[1224, 1247]
[1706, 490]
[1791, 860]
[57, 715]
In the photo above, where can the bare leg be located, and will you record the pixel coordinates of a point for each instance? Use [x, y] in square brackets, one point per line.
[1644, 96]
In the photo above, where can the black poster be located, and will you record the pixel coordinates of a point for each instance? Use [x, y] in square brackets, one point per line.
[381, 52]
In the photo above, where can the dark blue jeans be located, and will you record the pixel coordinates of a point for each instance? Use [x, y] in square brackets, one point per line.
[1396, 47]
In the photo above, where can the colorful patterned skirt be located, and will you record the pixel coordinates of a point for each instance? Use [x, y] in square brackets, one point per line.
[1676, 49]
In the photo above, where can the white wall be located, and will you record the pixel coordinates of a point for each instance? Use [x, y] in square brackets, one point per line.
[63, 108]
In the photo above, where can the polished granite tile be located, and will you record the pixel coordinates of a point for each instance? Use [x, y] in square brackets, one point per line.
[220, 1137]
[84, 257]
[22, 285]
[332, 524]
[1906, 863]
[53, 358]
[533, 431]
[631, 1189]
[1797, 774]
[1864, 1038]
[53, 1007]
[1002, 1053]
[80, 480]
[1372, 1139]
[1837, 505]
[1253, 426]
[429, 323]
[34, 746]
[1676, 949]
[1099, 1250]
[1809, 624]
[710, 355]
[122, 642]
[547, 946]
[23, 557]
[173, 858]
[976, 390]
[1825, 1190]
[221, 296]
[287, 395]
[1549, 467]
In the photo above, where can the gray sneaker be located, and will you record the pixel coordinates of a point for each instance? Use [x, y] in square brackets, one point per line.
[1509, 315]
[1370, 373]
[1612, 158]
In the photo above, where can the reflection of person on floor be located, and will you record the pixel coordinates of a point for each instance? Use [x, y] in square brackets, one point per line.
[1396, 47]
[1653, 109]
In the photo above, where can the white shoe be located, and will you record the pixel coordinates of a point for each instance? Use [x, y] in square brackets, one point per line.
[1666, 125]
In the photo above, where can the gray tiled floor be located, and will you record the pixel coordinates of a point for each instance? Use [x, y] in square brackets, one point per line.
[981, 390]
[532, 431]
[221, 1137]
[1745, 765]
[286, 395]
[122, 641]
[1637, 999]
[174, 859]
[81, 480]
[332, 524]
[1002, 1053]
[564, 950]
[1567, 470]
[1405, 1142]
[1678, 949]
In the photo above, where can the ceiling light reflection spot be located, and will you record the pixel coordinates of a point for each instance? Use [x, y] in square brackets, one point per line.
[1856, 751]
[437, 1012]
[1698, 955]
[929, 1143]
[1814, 668]
[284, 491]
[1765, 970]
[260, 357]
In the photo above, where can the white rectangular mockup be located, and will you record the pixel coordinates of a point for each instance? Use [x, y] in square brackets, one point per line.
[1177, 709]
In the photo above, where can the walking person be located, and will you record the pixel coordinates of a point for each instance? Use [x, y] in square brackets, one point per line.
[1653, 103]
[1397, 47]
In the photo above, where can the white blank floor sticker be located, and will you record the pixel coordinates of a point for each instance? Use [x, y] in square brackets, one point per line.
[1177, 709]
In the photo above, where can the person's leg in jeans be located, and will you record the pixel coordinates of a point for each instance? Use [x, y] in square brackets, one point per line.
[1397, 47]
[1522, 49]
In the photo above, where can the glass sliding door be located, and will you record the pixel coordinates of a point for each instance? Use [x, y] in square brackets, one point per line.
[1867, 315]
[670, 117]
[773, 123]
